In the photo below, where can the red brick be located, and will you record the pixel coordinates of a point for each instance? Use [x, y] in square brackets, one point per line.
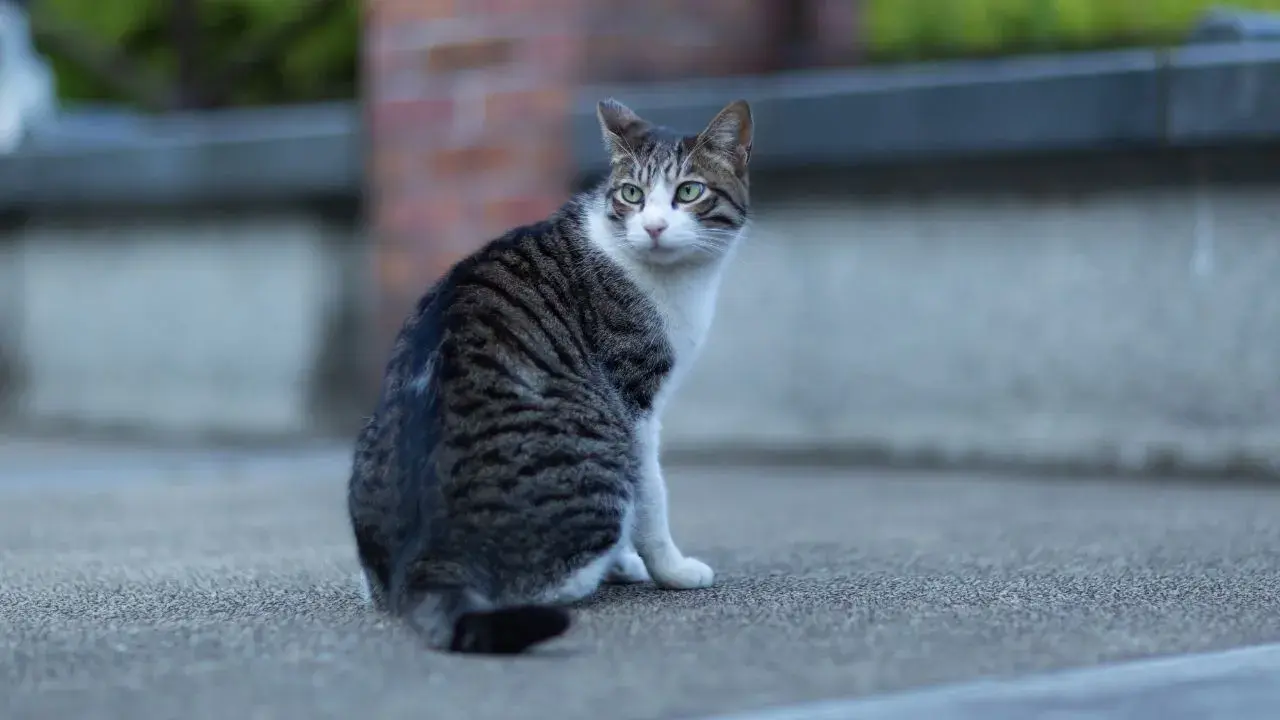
[472, 160]
[396, 118]
[836, 31]
[505, 213]
[560, 55]
[440, 258]
[550, 159]
[725, 37]
[399, 170]
[421, 213]
[470, 54]
[390, 169]
[541, 11]
[489, 8]
[392, 12]
[433, 199]
[527, 106]
[394, 269]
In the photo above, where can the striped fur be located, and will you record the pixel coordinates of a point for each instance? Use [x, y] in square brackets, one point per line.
[511, 464]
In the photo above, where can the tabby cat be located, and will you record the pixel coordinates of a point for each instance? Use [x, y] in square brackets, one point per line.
[511, 464]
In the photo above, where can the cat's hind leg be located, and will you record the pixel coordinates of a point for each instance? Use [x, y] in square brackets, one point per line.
[438, 604]
[582, 583]
[627, 567]
[371, 593]
[366, 590]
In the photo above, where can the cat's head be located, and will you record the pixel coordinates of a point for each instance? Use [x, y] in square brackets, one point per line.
[673, 198]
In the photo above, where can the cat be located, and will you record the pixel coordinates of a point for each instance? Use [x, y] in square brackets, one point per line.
[511, 464]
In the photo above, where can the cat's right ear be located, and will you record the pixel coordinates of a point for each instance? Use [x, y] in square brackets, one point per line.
[731, 132]
[620, 127]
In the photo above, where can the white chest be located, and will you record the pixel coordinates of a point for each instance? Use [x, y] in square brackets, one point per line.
[687, 309]
[686, 301]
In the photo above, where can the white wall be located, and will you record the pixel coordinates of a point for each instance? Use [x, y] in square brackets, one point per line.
[1127, 327]
[176, 325]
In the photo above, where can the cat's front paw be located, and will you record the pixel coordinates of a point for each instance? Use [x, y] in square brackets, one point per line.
[684, 573]
[627, 569]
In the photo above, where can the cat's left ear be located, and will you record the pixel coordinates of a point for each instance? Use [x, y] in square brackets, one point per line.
[731, 132]
[620, 126]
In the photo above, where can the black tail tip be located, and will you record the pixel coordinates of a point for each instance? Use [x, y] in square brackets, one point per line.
[508, 631]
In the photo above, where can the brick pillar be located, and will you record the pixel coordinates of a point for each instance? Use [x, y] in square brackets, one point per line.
[468, 104]
[837, 29]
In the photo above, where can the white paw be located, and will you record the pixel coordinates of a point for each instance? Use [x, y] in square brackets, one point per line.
[370, 595]
[685, 573]
[627, 568]
[366, 591]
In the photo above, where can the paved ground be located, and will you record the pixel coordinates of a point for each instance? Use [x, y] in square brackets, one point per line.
[154, 585]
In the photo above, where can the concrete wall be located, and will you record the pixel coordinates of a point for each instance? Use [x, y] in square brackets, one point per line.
[1093, 312]
[1097, 311]
[182, 323]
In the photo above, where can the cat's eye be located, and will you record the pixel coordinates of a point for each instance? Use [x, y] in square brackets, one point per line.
[631, 193]
[690, 191]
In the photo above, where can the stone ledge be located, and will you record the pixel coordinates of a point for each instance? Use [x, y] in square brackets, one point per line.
[1220, 94]
[1168, 459]
[259, 155]
[1205, 94]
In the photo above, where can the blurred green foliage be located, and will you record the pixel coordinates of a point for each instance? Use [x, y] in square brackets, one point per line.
[901, 30]
[321, 64]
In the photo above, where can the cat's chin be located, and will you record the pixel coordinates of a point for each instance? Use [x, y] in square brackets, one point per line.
[669, 255]
[665, 255]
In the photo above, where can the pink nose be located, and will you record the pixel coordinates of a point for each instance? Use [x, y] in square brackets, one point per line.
[655, 228]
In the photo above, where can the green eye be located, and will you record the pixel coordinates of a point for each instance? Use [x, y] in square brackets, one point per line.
[690, 191]
[631, 193]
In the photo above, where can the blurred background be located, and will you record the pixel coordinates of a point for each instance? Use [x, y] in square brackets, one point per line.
[1042, 232]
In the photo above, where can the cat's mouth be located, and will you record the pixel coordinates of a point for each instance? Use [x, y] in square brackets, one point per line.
[666, 254]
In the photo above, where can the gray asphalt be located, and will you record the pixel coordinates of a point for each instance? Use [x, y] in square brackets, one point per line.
[148, 585]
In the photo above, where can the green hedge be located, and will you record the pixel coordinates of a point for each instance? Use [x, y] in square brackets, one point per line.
[898, 30]
[321, 65]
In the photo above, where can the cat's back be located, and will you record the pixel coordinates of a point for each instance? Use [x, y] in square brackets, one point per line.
[530, 276]
[507, 315]
[519, 277]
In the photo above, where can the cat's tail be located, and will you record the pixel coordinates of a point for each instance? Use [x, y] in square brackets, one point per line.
[454, 619]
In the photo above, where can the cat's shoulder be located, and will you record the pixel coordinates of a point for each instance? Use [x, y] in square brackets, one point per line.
[465, 269]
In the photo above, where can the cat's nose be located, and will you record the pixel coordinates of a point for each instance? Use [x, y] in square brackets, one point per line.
[655, 228]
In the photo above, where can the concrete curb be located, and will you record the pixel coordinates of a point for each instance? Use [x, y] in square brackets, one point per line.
[1160, 459]
[1241, 684]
